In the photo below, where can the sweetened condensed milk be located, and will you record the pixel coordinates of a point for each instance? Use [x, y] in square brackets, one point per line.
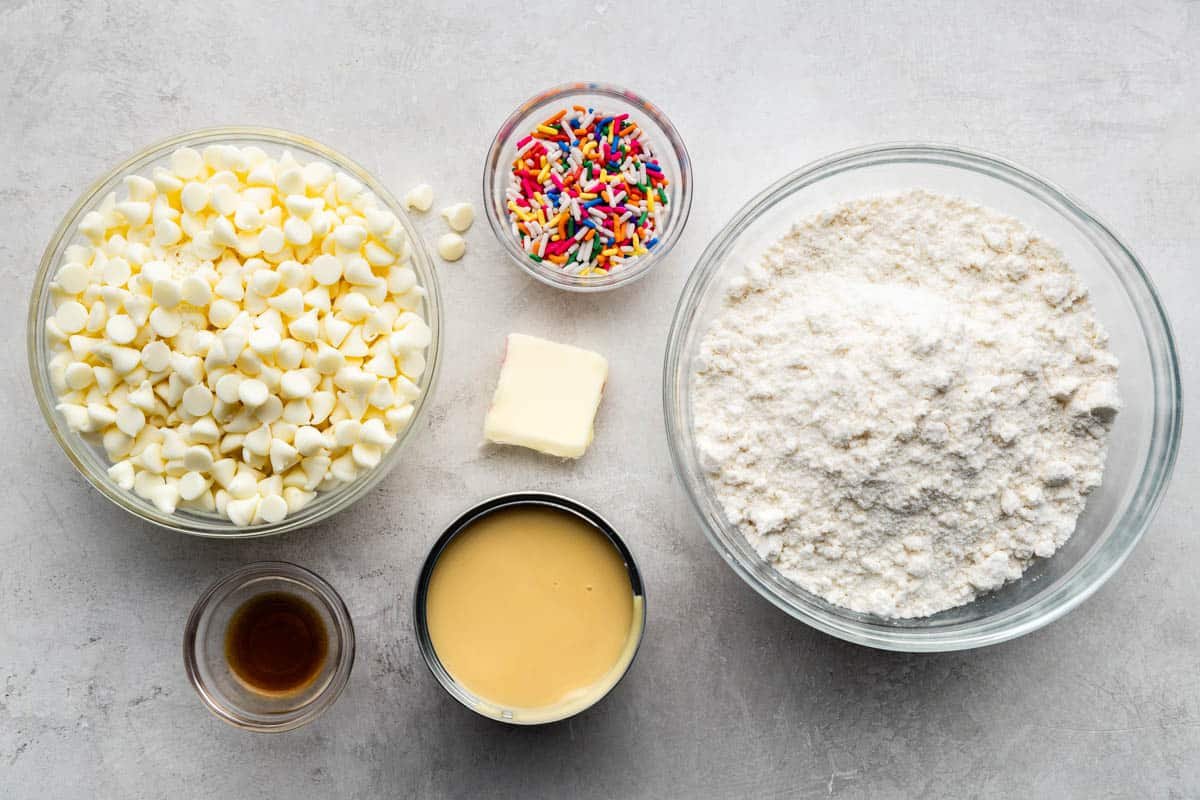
[532, 608]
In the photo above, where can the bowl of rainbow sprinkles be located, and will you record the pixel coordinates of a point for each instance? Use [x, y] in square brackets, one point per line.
[587, 186]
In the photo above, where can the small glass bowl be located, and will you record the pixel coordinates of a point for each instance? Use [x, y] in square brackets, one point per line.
[672, 156]
[208, 670]
[517, 716]
[1144, 439]
[89, 457]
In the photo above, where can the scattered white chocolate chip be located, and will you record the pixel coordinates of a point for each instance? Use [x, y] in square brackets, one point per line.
[459, 216]
[419, 197]
[451, 246]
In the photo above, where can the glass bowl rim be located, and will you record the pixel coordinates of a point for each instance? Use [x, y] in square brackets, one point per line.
[1075, 586]
[492, 168]
[463, 521]
[35, 331]
[344, 632]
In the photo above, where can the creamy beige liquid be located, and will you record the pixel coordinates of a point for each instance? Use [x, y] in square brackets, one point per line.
[531, 607]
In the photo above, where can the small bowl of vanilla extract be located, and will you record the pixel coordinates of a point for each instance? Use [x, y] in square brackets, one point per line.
[269, 647]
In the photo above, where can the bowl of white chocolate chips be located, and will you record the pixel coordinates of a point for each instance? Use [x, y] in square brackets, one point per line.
[233, 332]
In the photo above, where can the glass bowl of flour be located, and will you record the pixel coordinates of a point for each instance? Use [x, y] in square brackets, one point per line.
[920, 398]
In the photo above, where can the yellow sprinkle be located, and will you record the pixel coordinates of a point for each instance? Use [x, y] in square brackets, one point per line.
[547, 129]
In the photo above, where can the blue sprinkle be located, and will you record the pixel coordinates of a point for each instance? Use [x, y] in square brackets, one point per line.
[651, 243]
[598, 201]
[653, 167]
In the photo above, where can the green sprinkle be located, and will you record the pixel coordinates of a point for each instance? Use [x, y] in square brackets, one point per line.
[642, 218]
[662, 195]
[535, 257]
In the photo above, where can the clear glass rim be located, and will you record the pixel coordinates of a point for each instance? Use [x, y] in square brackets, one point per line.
[461, 523]
[71, 441]
[682, 198]
[1099, 563]
[343, 633]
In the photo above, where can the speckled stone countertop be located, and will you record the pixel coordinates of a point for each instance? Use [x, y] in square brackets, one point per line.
[729, 697]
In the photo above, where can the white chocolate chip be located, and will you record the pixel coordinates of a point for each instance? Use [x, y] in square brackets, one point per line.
[294, 384]
[196, 291]
[167, 293]
[72, 278]
[120, 329]
[156, 356]
[242, 511]
[253, 392]
[347, 187]
[130, 420]
[192, 485]
[194, 197]
[79, 375]
[297, 231]
[273, 509]
[349, 237]
[186, 163]
[197, 400]
[71, 317]
[420, 197]
[459, 216]
[326, 270]
[451, 246]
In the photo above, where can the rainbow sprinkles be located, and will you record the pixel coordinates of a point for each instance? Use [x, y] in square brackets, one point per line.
[586, 192]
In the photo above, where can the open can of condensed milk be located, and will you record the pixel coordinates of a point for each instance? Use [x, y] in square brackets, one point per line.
[529, 608]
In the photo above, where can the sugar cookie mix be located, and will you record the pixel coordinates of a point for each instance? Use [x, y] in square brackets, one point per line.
[904, 402]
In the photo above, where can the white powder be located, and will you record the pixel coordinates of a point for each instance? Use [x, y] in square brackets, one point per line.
[904, 402]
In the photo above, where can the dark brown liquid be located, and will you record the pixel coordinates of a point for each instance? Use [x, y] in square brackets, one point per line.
[276, 643]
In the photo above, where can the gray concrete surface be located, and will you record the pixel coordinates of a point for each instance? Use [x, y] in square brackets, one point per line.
[729, 697]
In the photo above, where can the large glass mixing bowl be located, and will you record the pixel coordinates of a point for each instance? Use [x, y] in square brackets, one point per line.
[1145, 436]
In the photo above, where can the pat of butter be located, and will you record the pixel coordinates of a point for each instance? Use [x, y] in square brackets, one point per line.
[547, 396]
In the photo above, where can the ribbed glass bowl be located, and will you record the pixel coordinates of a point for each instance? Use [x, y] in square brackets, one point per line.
[1145, 436]
[88, 455]
[668, 147]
